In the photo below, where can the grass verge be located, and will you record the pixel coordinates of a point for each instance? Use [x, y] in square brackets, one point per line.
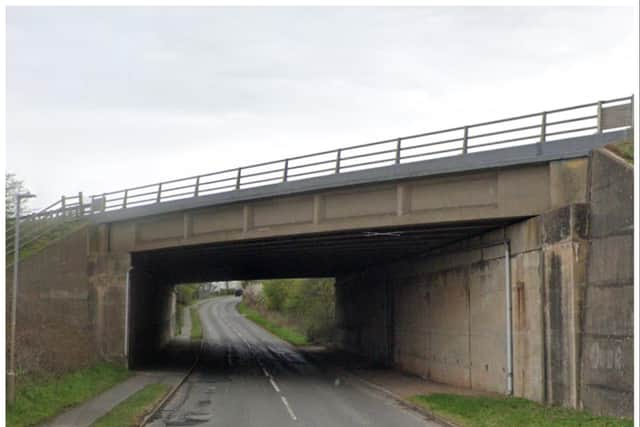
[39, 399]
[283, 332]
[623, 149]
[471, 411]
[131, 411]
[196, 326]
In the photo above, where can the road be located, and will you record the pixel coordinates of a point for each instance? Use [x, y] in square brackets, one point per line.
[248, 377]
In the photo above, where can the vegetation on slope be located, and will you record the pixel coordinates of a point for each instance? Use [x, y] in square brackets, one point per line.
[296, 307]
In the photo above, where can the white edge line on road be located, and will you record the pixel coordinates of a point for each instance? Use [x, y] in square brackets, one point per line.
[274, 385]
[293, 416]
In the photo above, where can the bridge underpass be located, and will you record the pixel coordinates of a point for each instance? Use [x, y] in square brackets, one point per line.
[418, 253]
[154, 273]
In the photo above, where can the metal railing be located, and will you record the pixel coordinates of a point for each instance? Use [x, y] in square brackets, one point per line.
[536, 128]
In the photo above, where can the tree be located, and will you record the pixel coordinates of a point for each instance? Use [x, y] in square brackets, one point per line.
[13, 186]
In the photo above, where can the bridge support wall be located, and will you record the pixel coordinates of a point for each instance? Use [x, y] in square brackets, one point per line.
[443, 317]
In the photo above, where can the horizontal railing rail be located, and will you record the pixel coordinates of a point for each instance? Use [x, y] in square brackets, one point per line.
[536, 128]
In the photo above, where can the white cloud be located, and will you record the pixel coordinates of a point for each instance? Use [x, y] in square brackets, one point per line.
[102, 98]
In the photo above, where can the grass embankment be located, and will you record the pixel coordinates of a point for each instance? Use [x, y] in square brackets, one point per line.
[283, 332]
[37, 236]
[623, 149]
[196, 326]
[39, 399]
[131, 411]
[468, 411]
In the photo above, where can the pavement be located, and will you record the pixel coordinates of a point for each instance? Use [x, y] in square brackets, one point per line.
[248, 377]
[88, 412]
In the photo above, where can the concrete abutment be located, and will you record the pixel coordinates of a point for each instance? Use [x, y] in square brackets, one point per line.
[442, 316]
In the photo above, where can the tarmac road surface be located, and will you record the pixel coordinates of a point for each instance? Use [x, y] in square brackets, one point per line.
[248, 377]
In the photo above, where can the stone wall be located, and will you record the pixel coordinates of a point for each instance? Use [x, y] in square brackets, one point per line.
[56, 308]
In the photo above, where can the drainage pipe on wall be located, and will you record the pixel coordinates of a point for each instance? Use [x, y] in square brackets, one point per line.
[509, 316]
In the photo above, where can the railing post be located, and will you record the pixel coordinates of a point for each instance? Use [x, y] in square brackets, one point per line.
[398, 149]
[338, 156]
[93, 203]
[63, 203]
[238, 178]
[599, 116]
[197, 189]
[80, 205]
[543, 128]
[286, 170]
[124, 200]
[104, 202]
[159, 195]
[465, 140]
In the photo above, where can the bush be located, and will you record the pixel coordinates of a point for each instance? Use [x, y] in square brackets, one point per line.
[186, 294]
[306, 304]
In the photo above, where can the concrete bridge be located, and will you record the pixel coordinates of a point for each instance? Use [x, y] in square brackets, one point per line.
[506, 270]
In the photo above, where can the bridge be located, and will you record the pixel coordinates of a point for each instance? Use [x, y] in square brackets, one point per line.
[495, 256]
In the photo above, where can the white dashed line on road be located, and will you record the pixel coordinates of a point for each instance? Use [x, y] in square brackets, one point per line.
[293, 416]
[274, 385]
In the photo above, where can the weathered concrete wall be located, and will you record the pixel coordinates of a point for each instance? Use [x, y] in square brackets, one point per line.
[447, 316]
[70, 304]
[606, 383]
[572, 294]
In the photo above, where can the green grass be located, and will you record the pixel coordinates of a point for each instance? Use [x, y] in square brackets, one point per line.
[33, 245]
[623, 149]
[131, 411]
[468, 411]
[39, 399]
[196, 327]
[283, 332]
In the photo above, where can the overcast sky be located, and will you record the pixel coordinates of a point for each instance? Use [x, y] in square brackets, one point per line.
[99, 99]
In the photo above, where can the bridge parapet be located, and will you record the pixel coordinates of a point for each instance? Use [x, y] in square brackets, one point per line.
[536, 128]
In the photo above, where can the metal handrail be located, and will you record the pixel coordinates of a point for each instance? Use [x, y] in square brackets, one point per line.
[461, 142]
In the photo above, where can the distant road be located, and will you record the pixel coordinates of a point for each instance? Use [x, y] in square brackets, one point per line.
[247, 377]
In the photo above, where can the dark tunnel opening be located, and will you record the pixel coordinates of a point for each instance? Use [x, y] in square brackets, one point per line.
[154, 274]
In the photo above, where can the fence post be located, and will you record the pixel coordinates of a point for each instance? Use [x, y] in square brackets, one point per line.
[238, 178]
[398, 149]
[599, 116]
[286, 170]
[124, 200]
[338, 156]
[80, 204]
[159, 195]
[197, 189]
[465, 141]
[543, 128]
[63, 203]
